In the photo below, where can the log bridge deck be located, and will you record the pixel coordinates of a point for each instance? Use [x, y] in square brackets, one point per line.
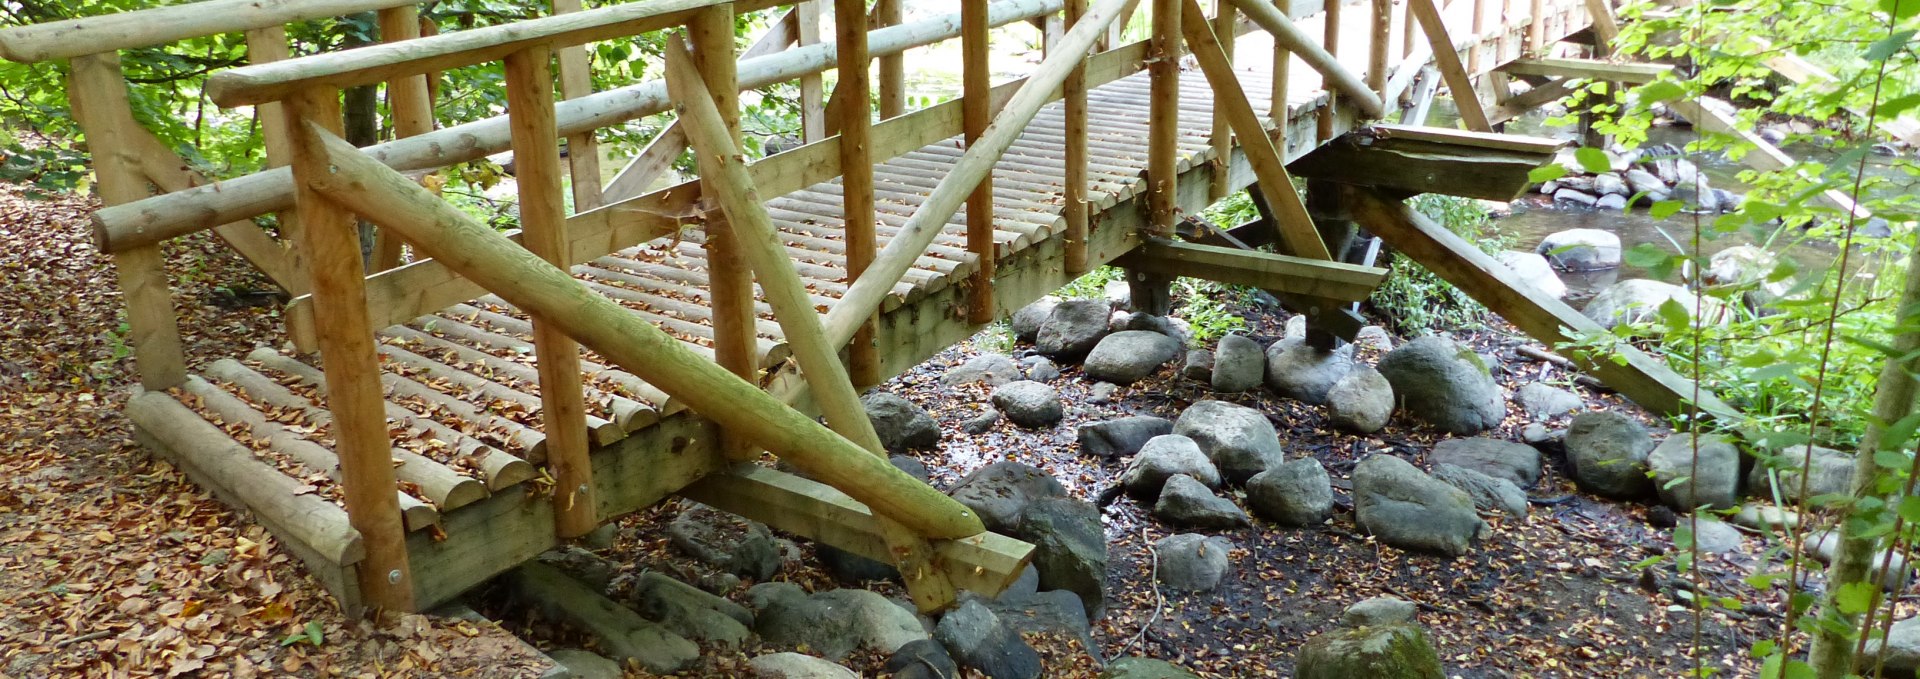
[436, 468]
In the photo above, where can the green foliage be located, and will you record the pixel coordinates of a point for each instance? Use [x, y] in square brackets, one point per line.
[1414, 300]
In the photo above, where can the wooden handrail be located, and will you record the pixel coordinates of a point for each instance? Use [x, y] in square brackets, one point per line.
[167, 216]
[380, 63]
[863, 298]
[528, 282]
[161, 25]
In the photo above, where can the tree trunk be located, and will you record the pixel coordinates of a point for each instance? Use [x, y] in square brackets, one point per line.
[1832, 652]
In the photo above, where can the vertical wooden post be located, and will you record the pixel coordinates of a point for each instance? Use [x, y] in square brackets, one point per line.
[1407, 33]
[729, 280]
[813, 100]
[543, 226]
[267, 45]
[1331, 40]
[1282, 63]
[98, 94]
[331, 238]
[976, 110]
[583, 150]
[856, 171]
[1223, 19]
[1152, 293]
[1479, 27]
[412, 113]
[1075, 210]
[1536, 25]
[1377, 49]
[893, 67]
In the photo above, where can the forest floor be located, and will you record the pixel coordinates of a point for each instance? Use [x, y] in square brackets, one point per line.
[114, 564]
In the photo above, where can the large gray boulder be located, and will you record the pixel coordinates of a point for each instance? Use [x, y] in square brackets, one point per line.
[1294, 493]
[1488, 493]
[924, 659]
[1381, 642]
[1069, 549]
[1638, 300]
[1534, 272]
[1001, 492]
[1190, 562]
[1515, 462]
[990, 369]
[1608, 453]
[1899, 652]
[1239, 364]
[902, 426]
[1832, 473]
[1129, 356]
[690, 611]
[1361, 402]
[1188, 503]
[1145, 668]
[1072, 329]
[1297, 370]
[1543, 401]
[587, 664]
[1239, 440]
[832, 623]
[723, 540]
[1029, 404]
[1685, 481]
[1581, 250]
[1027, 321]
[1405, 508]
[1122, 436]
[1163, 458]
[977, 638]
[1445, 385]
[790, 665]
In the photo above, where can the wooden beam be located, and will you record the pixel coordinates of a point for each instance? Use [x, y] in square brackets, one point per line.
[490, 259]
[1382, 39]
[379, 63]
[893, 66]
[719, 156]
[1296, 228]
[977, 110]
[1589, 69]
[1074, 183]
[543, 230]
[1448, 60]
[1222, 135]
[729, 280]
[1286, 34]
[1431, 160]
[813, 94]
[1330, 41]
[984, 564]
[1797, 69]
[110, 33]
[1540, 95]
[583, 150]
[855, 154]
[411, 106]
[1336, 281]
[1633, 373]
[331, 239]
[1765, 157]
[98, 95]
[168, 172]
[621, 633]
[1605, 29]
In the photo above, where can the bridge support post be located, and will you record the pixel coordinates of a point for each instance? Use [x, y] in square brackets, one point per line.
[854, 92]
[1074, 191]
[729, 279]
[1152, 293]
[976, 113]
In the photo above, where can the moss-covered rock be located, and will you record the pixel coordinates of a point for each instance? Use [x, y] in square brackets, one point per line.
[1144, 668]
[1392, 651]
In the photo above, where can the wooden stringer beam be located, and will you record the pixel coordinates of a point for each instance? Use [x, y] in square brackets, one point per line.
[1640, 377]
[719, 156]
[1317, 278]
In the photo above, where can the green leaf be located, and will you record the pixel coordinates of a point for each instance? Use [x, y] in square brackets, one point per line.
[1660, 90]
[1593, 160]
[1891, 459]
[1855, 598]
[1646, 256]
[1549, 172]
[1900, 9]
[1884, 48]
[1664, 209]
[1909, 509]
[1892, 108]
[1674, 314]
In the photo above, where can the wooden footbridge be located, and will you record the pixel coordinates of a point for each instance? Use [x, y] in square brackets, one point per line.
[434, 423]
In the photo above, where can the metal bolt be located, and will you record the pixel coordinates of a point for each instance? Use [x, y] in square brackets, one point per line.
[582, 489]
[393, 576]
